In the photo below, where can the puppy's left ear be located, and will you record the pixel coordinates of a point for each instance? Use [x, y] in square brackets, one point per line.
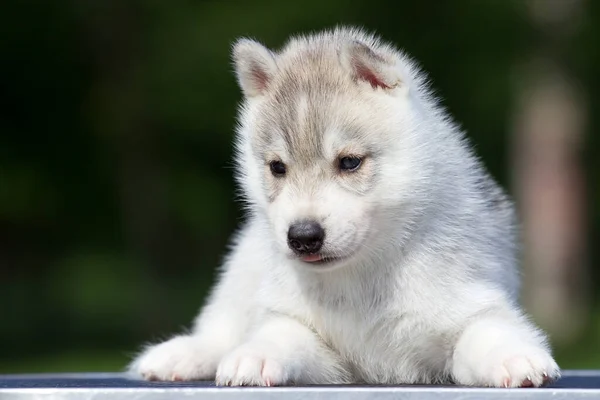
[254, 65]
[377, 67]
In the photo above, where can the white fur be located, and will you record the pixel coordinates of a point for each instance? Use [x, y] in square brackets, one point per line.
[426, 292]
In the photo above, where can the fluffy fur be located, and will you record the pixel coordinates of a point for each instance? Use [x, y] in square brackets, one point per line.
[423, 282]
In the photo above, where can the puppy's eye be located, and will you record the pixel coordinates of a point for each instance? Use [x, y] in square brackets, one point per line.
[350, 164]
[277, 168]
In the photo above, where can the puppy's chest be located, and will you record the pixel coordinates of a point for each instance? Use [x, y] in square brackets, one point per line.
[353, 323]
[356, 335]
[388, 348]
[342, 328]
[369, 329]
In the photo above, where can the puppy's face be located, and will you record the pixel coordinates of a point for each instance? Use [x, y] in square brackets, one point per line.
[319, 140]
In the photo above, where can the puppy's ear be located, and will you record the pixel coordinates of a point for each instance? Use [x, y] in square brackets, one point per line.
[374, 66]
[254, 65]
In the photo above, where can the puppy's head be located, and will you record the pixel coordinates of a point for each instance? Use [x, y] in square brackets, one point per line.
[327, 143]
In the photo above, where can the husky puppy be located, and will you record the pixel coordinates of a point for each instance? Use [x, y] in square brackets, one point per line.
[377, 248]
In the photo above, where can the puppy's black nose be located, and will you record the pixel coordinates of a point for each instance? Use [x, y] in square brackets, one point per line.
[306, 237]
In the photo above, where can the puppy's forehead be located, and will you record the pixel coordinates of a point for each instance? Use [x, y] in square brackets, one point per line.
[302, 108]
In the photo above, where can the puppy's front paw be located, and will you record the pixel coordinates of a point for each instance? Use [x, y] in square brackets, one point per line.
[179, 359]
[509, 366]
[251, 366]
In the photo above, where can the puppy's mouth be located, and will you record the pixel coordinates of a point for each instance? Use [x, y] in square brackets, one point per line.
[319, 259]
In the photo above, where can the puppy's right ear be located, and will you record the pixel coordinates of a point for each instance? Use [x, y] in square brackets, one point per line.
[254, 65]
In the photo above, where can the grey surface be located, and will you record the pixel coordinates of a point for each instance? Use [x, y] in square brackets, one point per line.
[573, 385]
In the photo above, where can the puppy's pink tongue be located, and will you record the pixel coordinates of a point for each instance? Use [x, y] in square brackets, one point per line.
[312, 258]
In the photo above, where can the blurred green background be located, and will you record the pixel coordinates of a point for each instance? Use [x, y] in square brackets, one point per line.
[116, 190]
